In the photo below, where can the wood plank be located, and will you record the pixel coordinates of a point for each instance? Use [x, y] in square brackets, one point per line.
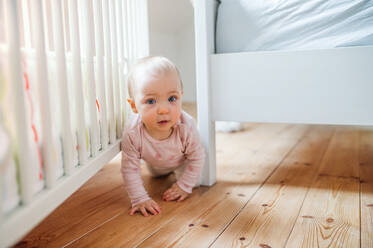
[252, 138]
[110, 214]
[330, 216]
[341, 159]
[278, 202]
[96, 201]
[366, 187]
[219, 206]
[119, 231]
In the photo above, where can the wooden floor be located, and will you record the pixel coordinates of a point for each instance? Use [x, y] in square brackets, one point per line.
[279, 185]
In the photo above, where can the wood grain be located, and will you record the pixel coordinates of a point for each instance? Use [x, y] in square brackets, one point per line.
[108, 234]
[341, 158]
[211, 215]
[278, 202]
[330, 216]
[366, 187]
[101, 198]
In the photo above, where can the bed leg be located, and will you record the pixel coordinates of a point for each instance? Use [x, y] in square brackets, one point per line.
[207, 131]
[204, 19]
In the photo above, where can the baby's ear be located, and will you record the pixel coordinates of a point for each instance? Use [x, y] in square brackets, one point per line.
[133, 106]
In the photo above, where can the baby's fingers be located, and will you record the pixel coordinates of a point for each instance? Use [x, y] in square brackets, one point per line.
[152, 210]
[173, 196]
[143, 211]
[157, 208]
[167, 192]
[182, 198]
[133, 210]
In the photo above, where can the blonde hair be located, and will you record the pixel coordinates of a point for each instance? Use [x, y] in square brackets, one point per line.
[148, 68]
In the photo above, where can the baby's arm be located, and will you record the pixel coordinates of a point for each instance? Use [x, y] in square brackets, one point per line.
[195, 157]
[131, 173]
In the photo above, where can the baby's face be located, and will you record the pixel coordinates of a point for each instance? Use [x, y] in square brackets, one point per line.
[158, 101]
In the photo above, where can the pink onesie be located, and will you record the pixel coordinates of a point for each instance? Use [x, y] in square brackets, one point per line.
[182, 150]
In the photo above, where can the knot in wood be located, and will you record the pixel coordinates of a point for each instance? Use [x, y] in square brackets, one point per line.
[329, 220]
[264, 246]
[307, 216]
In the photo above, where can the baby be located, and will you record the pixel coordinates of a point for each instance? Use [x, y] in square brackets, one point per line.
[160, 133]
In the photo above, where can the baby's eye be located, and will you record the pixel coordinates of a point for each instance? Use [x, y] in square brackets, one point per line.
[150, 101]
[172, 99]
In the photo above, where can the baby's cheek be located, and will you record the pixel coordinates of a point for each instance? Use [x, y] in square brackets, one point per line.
[149, 117]
[176, 114]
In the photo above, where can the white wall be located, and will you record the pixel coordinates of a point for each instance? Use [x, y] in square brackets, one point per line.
[164, 44]
[171, 27]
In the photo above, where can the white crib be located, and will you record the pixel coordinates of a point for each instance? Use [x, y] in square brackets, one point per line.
[324, 86]
[62, 70]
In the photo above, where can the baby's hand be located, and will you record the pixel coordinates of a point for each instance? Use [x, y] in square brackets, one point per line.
[143, 207]
[175, 193]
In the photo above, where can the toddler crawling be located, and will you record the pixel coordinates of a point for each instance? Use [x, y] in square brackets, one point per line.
[159, 133]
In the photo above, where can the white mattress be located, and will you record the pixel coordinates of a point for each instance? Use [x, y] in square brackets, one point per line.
[252, 25]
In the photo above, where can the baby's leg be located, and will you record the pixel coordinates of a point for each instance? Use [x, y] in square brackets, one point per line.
[158, 172]
[180, 170]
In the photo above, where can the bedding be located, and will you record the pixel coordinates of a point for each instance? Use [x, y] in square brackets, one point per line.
[257, 25]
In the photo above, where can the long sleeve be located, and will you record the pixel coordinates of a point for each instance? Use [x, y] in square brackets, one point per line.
[195, 158]
[131, 171]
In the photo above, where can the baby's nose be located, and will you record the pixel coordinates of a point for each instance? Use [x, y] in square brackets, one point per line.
[163, 110]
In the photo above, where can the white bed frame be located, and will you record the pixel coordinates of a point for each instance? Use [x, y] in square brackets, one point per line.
[328, 86]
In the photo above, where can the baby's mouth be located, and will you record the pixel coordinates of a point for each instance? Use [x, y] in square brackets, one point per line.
[163, 122]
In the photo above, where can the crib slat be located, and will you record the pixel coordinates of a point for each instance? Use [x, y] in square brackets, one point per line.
[62, 84]
[42, 78]
[3, 37]
[134, 27]
[143, 23]
[109, 75]
[77, 81]
[130, 32]
[126, 31]
[89, 53]
[114, 45]
[145, 27]
[121, 29]
[15, 76]
[122, 83]
[26, 23]
[139, 28]
[99, 41]
[126, 55]
[45, 25]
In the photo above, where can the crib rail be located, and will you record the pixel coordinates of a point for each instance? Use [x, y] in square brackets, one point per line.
[63, 69]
